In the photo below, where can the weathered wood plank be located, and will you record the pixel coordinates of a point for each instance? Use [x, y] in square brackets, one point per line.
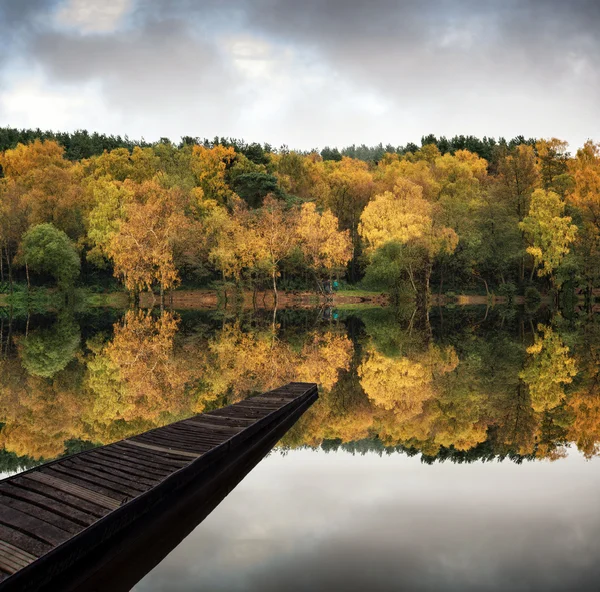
[27, 543]
[37, 512]
[31, 484]
[13, 559]
[32, 526]
[164, 449]
[121, 469]
[117, 493]
[47, 503]
[81, 492]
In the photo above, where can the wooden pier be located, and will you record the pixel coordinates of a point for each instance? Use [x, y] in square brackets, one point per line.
[55, 518]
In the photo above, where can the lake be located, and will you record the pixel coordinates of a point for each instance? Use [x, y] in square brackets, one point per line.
[453, 450]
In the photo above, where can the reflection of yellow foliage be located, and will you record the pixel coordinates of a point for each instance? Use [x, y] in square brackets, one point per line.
[548, 370]
[137, 376]
[241, 362]
[322, 358]
[403, 384]
[585, 429]
[40, 414]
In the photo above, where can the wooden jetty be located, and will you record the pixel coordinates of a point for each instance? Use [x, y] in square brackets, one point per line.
[63, 520]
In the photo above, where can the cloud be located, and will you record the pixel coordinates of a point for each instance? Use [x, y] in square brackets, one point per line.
[93, 16]
[320, 71]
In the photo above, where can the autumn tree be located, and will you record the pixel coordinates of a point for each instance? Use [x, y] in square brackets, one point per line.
[209, 166]
[110, 200]
[48, 184]
[517, 178]
[404, 383]
[348, 186]
[325, 247]
[137, 375]
[38, 186]
[403, 216]
[552, 162]
[549, 232]
[274, 229]
[585, 196]
[231, 243]
[142, 248]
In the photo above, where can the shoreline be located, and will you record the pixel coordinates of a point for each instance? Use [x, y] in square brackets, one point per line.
[212, 299]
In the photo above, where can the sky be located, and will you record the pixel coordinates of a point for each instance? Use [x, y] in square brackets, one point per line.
[304, 73]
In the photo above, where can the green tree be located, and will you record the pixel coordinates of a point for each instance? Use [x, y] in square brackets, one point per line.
[44, 352]
[46, 249]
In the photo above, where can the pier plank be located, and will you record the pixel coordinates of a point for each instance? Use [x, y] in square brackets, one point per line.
[54, 515]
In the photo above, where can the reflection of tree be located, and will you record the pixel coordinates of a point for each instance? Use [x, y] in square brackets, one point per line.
[390, 385]
[137, 377]
[549, 368]
[44, 352]
[404, 384]
[240, 362]
[585, 429]
[40, 414]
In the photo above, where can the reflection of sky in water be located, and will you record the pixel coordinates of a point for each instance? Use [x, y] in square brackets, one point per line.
[316, 521]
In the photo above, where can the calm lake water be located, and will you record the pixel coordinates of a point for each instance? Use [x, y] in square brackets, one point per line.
[450, 452]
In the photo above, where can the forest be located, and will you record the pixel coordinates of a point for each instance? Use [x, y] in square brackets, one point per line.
[460, 214]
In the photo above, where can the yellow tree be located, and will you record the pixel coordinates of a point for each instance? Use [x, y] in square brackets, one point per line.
[39, 186]
[48, 183]
[549, 231]
[404, 216]
[301, 175]
[585, 169]
[325, 247]
[142, 248]
[392, 168]
[403, 384]
[322, 358]
[347, 188]
[110, 200]
[585, 429]
[209, 166]
[14, 214]
[516, 180]
[274, 229]
[232, 245]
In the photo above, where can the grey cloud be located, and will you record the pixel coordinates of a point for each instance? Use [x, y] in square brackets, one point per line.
[163, 68]
[462, 66]
[19, 19]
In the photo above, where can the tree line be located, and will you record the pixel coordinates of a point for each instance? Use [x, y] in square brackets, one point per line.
[411, 221]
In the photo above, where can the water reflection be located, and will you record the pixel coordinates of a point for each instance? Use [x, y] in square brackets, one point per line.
[456, 385]
[313, 521]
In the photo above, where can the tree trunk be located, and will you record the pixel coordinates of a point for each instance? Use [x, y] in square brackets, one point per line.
[10, 274]
[428, 270]
[276, 296]
[412, 278]
[27, 274]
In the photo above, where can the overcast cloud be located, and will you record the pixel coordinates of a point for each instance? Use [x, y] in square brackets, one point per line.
[307, 74]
